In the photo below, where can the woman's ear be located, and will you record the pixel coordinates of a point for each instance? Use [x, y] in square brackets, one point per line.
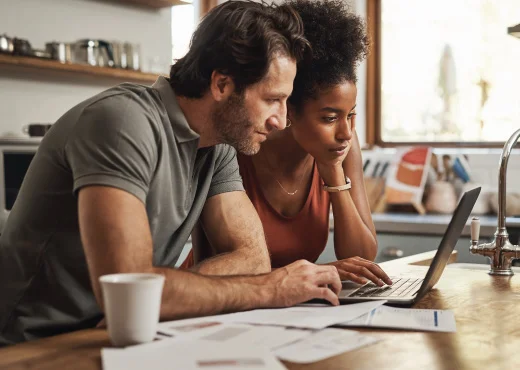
[221, 86]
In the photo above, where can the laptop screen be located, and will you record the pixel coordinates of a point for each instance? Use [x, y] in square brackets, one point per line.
[449, 240]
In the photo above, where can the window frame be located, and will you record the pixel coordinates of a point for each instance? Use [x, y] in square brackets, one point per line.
[373, 92]
[206, 6]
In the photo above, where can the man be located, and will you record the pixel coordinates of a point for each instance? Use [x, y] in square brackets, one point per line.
[120, 180]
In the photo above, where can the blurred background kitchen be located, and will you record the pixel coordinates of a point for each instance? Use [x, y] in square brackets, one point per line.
[441, 75]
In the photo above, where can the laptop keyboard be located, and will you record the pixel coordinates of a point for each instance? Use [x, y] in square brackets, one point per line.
[401, 287]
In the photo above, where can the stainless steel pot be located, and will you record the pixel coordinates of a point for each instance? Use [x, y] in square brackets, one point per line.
[118, 49]
[6, 44]
[133, 56]
[22, 47]
[59, 51]
[93, 52]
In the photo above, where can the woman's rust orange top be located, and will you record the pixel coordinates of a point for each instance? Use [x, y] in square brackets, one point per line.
[289, 239]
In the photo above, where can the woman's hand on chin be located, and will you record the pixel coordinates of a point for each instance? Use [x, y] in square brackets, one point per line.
[331, 167]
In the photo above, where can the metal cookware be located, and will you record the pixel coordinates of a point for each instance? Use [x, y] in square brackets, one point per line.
[59, 51]
[22, 47]
[36, 129]
[93, 52]
[133, 56]
[41, 54]
[6, 44]
[119, 54]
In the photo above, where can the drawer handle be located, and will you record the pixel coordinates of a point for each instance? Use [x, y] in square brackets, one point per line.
[393, 252]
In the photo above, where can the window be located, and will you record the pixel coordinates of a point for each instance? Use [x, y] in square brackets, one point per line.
[446, 70]
[183, 25]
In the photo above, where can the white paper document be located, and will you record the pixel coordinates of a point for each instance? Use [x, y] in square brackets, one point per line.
[406, 318]
[190, 355]
[307, 317]
[323, 344]
[270, 337]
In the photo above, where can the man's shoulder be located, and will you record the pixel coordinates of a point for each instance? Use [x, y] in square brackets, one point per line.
[219, 155]
[132, 106]
[124, 96]
[224, 149]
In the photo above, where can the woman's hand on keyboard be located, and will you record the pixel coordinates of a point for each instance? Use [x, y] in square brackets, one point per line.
[360, 270]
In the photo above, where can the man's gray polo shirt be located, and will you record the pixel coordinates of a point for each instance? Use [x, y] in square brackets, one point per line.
[130, 137]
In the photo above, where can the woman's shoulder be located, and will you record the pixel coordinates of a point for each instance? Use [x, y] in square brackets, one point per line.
[245, 166]
[244, 160]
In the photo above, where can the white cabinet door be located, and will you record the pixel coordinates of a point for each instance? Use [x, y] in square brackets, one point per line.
[392, 246]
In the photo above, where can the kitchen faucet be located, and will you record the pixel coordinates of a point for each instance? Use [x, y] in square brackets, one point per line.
[500, 251]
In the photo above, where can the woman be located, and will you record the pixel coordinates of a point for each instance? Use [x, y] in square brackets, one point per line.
[303, 170]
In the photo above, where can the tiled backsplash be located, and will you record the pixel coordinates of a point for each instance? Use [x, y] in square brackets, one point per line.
[483, 163]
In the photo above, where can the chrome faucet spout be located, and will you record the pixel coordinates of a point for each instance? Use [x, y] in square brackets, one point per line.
[502, 176]
[500, 252]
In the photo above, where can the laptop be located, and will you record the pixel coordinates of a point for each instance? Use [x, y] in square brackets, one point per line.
[408, 290]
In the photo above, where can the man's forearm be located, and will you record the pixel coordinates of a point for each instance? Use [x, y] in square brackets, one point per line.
[230, 239]
[239, 262]
[188, 294]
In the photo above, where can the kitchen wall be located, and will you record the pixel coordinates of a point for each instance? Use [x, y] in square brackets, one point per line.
[31, 96]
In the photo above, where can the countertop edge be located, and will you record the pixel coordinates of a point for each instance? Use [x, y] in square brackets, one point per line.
[431, 224]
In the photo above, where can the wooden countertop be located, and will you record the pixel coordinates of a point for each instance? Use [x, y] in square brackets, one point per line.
[487, 337]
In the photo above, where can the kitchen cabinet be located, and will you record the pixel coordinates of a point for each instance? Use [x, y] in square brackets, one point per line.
[401, 235]
[409, 245]
[393, 246]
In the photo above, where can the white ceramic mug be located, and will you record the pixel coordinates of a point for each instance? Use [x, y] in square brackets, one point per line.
[132, 306]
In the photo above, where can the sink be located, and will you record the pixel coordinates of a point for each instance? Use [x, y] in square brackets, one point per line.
[476, 266]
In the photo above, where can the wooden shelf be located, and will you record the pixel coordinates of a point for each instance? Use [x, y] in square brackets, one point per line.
[79, 69]
[157, 4]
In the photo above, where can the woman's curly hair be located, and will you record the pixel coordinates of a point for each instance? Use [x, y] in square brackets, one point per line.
[339, 43]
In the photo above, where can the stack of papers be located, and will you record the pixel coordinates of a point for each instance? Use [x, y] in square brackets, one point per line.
[323, 344]
[270, 337]
[190, 355]
[259, 339]
[305, 317]
[406, 318]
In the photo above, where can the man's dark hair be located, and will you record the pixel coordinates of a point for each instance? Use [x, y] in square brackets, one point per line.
[339, 42]
[238, 39]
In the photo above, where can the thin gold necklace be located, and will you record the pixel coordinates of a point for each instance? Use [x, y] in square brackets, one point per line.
[279, 183]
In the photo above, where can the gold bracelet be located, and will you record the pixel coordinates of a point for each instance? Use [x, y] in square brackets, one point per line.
[336, 189]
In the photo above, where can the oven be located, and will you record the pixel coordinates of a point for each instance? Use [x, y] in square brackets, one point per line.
[15, 157]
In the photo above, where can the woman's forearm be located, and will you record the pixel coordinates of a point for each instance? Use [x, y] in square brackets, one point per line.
[352, 237]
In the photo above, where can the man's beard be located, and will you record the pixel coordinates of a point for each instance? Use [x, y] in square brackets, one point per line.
[233, 125]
